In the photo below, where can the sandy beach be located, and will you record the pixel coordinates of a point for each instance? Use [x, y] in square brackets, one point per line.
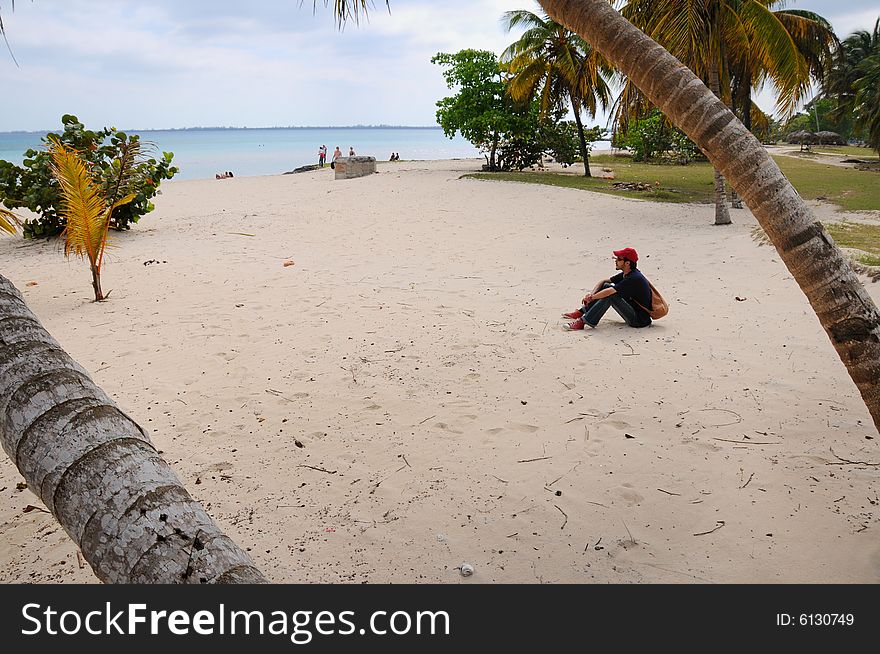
[402, 399]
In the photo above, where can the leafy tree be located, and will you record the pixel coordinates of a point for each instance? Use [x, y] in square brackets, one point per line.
[557, 66]
[33, 186]
[481, 110]
[653, 137]
[562, 140]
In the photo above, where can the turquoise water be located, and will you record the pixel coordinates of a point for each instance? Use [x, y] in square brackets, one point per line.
[201, 153]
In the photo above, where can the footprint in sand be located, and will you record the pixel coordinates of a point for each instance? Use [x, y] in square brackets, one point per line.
[446, 427]
[628, 495]
[528, 429]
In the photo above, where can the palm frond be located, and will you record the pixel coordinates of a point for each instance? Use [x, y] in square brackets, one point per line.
[9, 222]
[350, 10]
[82, 205]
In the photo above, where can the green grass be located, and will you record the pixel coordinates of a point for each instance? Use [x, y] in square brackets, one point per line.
[853, 190]
[691, 183]
[859, 236]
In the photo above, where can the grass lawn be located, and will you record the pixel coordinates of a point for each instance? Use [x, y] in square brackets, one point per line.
[853, 190]
[850, 189]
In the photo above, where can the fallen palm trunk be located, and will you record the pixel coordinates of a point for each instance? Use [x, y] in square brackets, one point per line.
[96, 470]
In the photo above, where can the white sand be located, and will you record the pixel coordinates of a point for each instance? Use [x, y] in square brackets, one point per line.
[415, 351]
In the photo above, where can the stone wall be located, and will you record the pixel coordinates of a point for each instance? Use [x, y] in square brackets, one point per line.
[348, 167]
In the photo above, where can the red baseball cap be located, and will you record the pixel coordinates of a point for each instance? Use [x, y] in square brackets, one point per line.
[627, 253]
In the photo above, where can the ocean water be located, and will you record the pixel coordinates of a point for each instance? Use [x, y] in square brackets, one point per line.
[201, 153]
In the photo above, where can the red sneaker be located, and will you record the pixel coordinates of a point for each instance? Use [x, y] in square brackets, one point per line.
[574, 315]
[574, 326]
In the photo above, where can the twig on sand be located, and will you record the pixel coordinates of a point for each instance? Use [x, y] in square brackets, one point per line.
[503, 481]
[329, 472]
[272, 391]
[79, 560]
[668, 492]
[427, 419]
[563, 513]
[846, 462]
[719, 525]
[729, 440]
[748, 480]
[540, 458]
[403, 456]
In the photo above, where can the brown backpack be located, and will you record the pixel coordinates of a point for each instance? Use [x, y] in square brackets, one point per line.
[661, 308]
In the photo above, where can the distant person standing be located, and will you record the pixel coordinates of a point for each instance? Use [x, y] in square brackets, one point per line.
[322, 155]
[336, 154]
[350, 151]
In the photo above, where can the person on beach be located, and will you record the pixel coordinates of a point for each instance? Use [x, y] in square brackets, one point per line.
[336, 154]
[350, 151]
[628, 292]
[322, 155]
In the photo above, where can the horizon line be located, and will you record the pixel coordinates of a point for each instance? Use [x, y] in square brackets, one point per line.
[228, 127]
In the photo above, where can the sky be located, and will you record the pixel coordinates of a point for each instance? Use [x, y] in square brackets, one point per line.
[156, 64]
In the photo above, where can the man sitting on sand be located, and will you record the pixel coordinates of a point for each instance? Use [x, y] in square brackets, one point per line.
[628, 292]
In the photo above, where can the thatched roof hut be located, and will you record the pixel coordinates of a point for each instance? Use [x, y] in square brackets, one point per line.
[830, 138]
[802, 136]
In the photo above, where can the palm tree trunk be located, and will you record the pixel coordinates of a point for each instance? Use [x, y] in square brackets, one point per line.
[96, 470]
[585, 154]
[844, 308]
[722, 214]
[96, 283]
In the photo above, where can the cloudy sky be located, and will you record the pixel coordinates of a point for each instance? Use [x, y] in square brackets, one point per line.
[140, 64]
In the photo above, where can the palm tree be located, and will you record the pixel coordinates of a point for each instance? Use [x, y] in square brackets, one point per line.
[751, 67]
[849, 81]
[551, 62]
[96, 469]
[844, 308]
[706, 34]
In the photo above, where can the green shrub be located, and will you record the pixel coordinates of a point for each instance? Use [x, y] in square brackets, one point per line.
[33, 186]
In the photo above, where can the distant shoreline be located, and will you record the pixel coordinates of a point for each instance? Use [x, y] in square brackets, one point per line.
[204, 129]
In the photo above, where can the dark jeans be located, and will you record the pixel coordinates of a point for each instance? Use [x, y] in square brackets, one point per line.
[593, 312]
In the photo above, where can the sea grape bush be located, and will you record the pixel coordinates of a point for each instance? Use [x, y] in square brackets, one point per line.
[32, 185]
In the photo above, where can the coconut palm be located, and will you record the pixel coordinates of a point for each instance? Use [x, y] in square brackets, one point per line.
[97, 471]
[559, 67]
[867, 100]
[707, 35]
[844, 308]
[848, 68]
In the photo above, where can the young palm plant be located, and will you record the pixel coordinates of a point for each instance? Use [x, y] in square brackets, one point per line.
[87, 207]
